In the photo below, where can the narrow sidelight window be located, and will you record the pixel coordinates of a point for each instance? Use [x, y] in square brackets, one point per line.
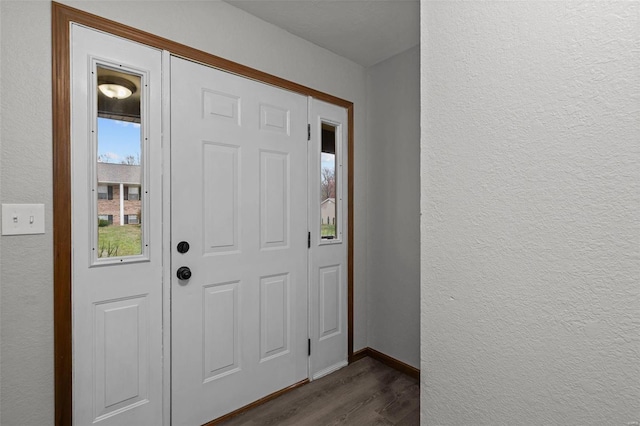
[119, 163]
[328, 183]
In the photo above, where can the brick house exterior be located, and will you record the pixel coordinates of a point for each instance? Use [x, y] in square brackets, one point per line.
[119, 193]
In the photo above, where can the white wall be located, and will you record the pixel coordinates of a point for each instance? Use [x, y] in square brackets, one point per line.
[26, 266]
[26, 358]
[393, 206]
[530, 206]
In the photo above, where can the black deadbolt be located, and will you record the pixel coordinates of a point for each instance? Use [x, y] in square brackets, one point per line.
[184, 273]
[183, 247]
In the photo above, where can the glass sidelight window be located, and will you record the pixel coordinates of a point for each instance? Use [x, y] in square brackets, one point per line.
[119, 163]
[328, 183]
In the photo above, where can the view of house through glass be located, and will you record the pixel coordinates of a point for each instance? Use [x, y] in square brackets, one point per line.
[328, 185]
[119, 164]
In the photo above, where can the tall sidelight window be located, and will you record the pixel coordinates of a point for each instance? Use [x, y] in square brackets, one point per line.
[119, 163]
[328, 183]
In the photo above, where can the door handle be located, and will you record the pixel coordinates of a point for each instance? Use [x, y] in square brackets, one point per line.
[183, 247]
[184, 273]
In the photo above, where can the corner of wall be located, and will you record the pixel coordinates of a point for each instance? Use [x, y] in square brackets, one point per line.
[393, 267]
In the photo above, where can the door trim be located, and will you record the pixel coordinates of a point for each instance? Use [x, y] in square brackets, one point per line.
[61, 18]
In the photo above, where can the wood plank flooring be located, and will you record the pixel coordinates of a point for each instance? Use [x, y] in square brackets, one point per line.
[366, 392]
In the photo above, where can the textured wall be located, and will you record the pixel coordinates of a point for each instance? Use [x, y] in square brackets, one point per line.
[393, 215]
[26, 266]
[530, 206]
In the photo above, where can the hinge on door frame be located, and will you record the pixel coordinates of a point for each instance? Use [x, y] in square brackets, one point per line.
[309, 347]
[308, 132]
[309, 239]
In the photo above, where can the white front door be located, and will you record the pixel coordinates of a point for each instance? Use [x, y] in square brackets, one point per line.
[117, 268]
[239, 199]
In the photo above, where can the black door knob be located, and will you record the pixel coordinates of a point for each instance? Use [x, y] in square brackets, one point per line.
[184, 273]
[183, 247]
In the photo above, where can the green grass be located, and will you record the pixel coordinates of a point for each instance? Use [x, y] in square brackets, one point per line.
[115, 241]
[328, 230]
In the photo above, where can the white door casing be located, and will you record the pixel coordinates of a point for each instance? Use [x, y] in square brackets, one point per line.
[328, 257]
[239, 198]
[116, 302]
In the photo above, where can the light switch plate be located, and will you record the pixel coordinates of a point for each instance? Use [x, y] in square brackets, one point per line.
[21, 219]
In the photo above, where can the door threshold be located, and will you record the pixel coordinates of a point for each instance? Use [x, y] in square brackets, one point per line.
[330, 370]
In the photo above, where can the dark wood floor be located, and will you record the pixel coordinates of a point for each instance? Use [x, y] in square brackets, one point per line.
[366, 392]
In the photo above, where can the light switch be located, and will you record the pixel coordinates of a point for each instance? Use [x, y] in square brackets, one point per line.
[21, 219]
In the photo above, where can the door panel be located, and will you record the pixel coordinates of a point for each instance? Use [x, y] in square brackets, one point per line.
[274, 199]
[220, 326]
[239, 197]
[121, 355]
[330, 296]
[220, 197]
[328, 254]
[274, 316]
[117, 300]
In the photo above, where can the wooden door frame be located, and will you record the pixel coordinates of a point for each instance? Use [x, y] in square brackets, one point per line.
[62, 16]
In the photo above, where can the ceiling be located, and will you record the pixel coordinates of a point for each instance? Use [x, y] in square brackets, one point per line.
[365, 31]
